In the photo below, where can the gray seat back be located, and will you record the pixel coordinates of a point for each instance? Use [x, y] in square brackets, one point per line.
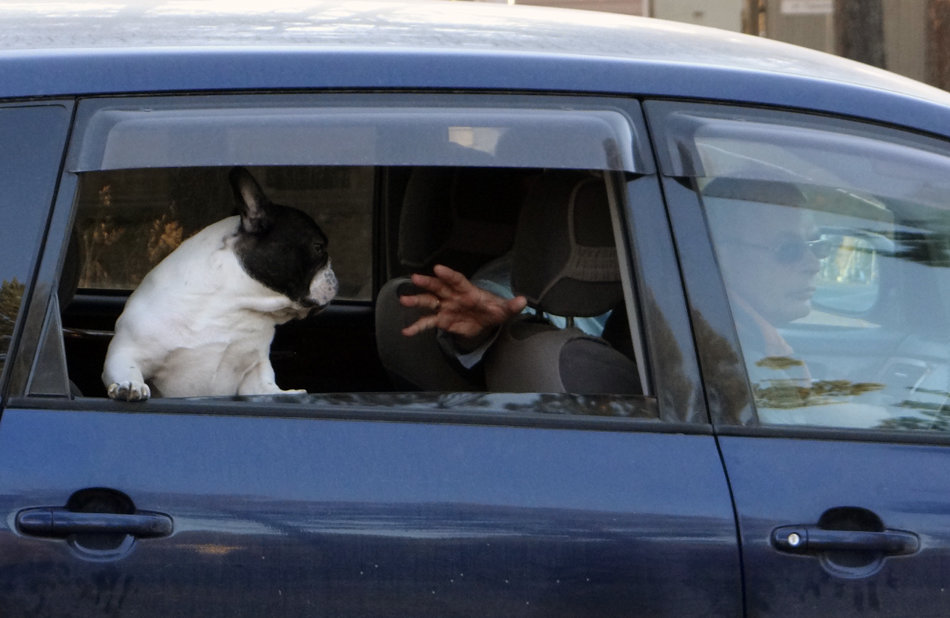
[565, 263]
[459, 217]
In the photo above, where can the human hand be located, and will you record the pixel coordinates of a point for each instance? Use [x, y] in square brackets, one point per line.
[458, 306]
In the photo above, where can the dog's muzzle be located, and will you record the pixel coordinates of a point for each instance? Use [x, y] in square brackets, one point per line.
[323, 289]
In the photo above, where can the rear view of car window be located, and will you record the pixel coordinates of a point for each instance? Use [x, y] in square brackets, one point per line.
[834, 244]
[29, 164]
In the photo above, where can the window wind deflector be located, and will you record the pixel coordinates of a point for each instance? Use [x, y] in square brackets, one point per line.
[320, 135]
[853, 161]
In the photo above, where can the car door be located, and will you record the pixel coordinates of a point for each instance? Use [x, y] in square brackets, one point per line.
[829, 359]
[365, 499]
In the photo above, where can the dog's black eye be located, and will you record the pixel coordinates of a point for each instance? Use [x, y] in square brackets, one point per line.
[319, 247]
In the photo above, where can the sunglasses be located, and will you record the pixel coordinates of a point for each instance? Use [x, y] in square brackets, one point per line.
[792, 251]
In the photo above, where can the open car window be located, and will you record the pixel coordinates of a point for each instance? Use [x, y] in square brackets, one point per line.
[398, 184]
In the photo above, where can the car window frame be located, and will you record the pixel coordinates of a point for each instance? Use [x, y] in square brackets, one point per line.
[644, 224]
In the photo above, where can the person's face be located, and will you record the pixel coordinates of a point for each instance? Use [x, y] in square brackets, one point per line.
[767, 262]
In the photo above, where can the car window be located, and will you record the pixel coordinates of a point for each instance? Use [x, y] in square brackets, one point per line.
[397, 185]
[832, 239]
[28, 174]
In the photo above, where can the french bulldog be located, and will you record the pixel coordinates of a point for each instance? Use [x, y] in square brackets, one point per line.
[202, 320]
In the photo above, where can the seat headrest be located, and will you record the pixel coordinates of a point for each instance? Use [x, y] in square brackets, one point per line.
[460, 217]
[565, 258]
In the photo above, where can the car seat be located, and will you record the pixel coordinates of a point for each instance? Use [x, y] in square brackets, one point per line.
[565, 263]
[459, 217]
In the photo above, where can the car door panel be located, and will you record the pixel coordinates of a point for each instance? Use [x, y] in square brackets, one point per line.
[349, 503]
[294, 516]
[789, 482]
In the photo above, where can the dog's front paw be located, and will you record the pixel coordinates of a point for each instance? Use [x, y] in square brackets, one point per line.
[129, 391]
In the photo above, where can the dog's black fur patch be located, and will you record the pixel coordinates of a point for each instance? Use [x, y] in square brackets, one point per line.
[281, 247]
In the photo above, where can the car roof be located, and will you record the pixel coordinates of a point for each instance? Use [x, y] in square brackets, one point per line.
[67, 48]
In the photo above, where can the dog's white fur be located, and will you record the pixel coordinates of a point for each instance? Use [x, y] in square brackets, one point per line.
[199, 325]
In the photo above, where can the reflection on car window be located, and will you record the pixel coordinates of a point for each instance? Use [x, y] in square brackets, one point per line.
[28, 173]
[840, 293]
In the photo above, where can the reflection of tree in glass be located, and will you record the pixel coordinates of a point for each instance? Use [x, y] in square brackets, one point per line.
[780, 363]
[164, 237]
[97, 238]
[130, 224]
[585, 405]
[677, 395]
[930, 416]
[725, 379]
[11, 294]
[923, 247]
[788, 394]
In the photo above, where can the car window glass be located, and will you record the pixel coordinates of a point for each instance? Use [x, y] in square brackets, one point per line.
[28, 174]
[833, 245]
[461, 205]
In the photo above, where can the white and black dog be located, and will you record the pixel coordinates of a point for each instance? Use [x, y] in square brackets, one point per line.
[201, 322]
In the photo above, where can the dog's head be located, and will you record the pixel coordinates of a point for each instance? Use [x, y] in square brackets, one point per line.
[282, 247]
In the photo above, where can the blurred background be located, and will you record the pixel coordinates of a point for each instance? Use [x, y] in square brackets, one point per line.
[910, 37]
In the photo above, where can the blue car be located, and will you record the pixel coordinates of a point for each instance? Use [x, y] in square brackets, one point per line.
[729, 393]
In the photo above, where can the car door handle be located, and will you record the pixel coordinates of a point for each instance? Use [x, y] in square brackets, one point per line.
[811, 539]
[59, 522]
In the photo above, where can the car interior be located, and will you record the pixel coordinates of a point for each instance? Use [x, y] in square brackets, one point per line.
[564, 258]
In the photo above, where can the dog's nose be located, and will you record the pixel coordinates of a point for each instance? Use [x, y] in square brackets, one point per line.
[324, 287]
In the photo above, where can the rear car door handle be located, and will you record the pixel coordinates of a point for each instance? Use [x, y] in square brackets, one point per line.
[811, 539]
[59, 522]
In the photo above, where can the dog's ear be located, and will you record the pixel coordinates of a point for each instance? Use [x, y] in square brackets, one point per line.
[250, 200]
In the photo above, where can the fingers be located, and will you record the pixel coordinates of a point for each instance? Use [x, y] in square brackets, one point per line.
[451, 278]
[441, 276]
[427, 283]
[422, 324]
[423, 301]
[516, 305]
[435, 290]
[457, 305]
[446, 285]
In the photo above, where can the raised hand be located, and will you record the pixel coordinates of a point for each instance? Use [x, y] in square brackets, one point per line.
[458, 306]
